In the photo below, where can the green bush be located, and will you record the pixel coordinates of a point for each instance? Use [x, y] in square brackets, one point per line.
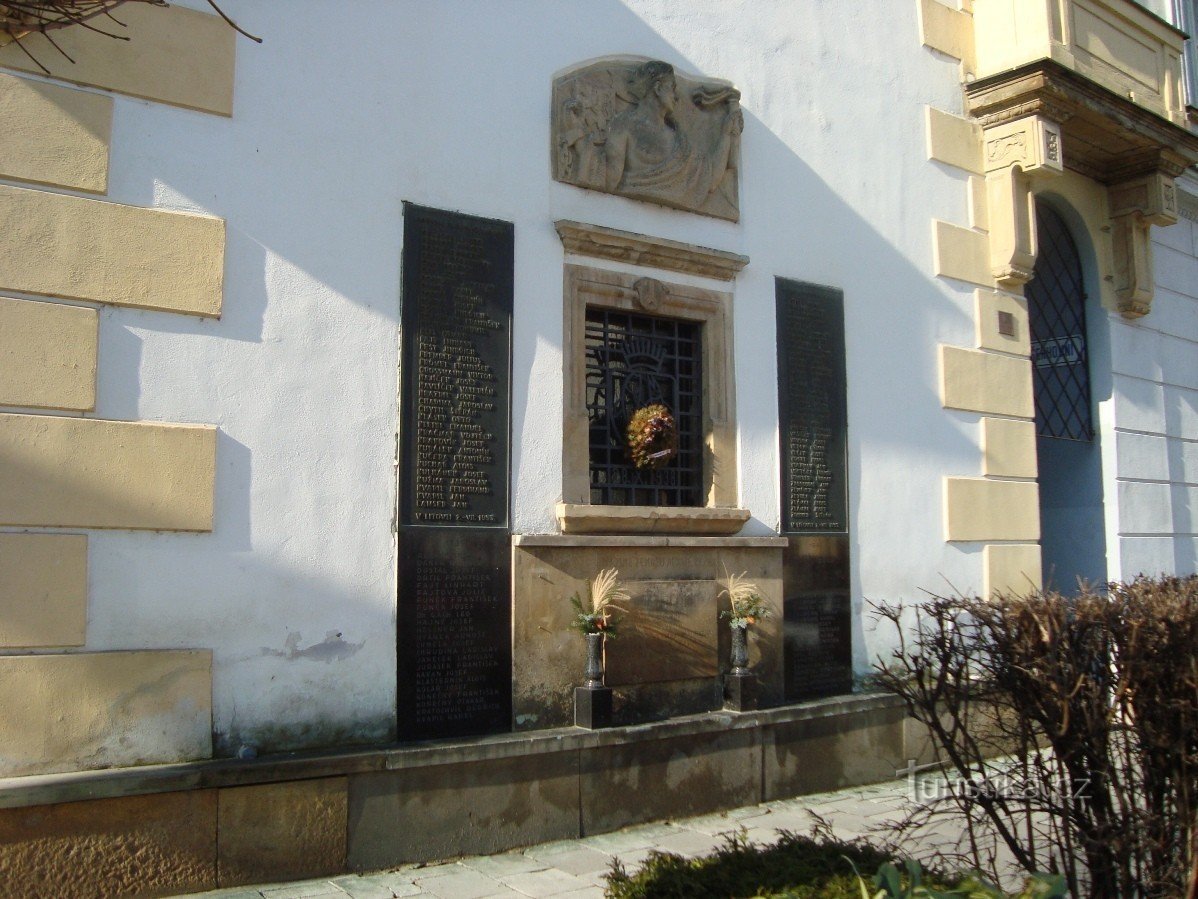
[795, 867]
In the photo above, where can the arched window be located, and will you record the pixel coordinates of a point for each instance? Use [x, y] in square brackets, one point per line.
[1057, 322]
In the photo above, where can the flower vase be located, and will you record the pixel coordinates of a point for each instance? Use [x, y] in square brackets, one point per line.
[593, 701]
[740, 649]
[740, 685]
[594, 669]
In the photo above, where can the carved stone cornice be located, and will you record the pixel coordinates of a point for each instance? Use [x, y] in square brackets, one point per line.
[1105, 136]
[1029, 113]
[641, 249]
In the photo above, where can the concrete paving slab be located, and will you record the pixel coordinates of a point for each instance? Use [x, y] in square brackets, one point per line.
[715, 824]
[427, 871]
[499, 866]
[377, 886]
[633, 859]
[630, 838]
[596, 878]
[312, 889]
[464, 883]
[550, 882]
[576, 860]
[689, 844]
[762, 835]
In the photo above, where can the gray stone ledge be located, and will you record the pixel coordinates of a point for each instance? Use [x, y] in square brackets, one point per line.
[694, 521]
[647, 540]
[75, 786]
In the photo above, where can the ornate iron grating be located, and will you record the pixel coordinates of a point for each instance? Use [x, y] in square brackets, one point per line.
[633, 361]
[1056, 304]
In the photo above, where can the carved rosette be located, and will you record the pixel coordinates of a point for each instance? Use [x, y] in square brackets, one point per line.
[638, 128]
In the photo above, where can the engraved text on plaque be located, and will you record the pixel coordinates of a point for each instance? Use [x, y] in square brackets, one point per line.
[811, 408]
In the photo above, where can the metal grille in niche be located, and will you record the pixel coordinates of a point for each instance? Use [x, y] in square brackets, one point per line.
[1056, 305]
[634, 362]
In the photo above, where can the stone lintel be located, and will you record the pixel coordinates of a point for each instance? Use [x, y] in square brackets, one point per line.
[640, 249]
[580, 518]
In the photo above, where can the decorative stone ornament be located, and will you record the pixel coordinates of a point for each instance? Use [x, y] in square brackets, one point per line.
[649, 293]
[1042, 117]
[636, 127]
[1135, 206]
[1016, 154]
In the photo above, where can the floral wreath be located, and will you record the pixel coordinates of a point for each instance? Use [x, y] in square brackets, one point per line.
[652, 436]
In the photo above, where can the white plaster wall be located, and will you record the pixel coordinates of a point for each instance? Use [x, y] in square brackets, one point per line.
[447, 104]
[1155, 403]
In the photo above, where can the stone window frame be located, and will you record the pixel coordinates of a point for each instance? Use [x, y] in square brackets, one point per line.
[585, 286]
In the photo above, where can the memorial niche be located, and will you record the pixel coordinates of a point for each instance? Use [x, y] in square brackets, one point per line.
[454, 606]
[636, 127]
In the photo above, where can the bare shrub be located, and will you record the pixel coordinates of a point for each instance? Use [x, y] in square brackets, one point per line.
[1069, 725]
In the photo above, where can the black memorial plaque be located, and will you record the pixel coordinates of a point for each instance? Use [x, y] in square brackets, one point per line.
[817, 617]
[454, 606]
[811, 408]
[457, 324]
[455, 628]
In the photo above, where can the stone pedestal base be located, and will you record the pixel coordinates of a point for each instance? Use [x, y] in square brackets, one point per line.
[592, 707]
[740, 692]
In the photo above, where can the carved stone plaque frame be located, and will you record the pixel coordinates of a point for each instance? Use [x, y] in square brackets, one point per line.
[601, 288]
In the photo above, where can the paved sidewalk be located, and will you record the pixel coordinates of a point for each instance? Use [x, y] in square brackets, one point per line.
[575, 868]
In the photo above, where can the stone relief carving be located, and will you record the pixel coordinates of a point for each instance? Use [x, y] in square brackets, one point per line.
[636, 127]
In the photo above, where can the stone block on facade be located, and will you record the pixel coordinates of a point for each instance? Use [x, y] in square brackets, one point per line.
[978, 381]
[979, 509]
[1008, 448]
[1012, 568]
[66, 712]
[629, 784]
[177, 55]
[54, 135]
[154, 845]
[79, 472]
[48, 355]
[83, 249]
[43, 590]
[284, 831]
[828, 753]
[479, 807]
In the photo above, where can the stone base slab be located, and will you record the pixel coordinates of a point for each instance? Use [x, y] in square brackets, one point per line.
[167, 829]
